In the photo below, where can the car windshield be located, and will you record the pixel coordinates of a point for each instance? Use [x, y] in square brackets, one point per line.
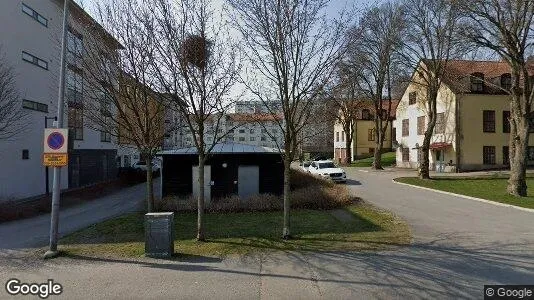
[326, 165]
[306, 164]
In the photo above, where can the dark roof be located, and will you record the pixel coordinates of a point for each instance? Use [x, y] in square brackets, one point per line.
[224, 148]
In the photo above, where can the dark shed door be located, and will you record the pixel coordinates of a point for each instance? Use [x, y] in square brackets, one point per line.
[248, 181]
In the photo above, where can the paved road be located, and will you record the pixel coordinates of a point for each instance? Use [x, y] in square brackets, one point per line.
[459, 245]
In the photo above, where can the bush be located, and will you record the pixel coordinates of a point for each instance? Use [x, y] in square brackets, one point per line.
[307, 192]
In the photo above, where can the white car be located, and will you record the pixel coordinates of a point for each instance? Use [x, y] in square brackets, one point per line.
[304, 166]
[141, 166]
[327, 169]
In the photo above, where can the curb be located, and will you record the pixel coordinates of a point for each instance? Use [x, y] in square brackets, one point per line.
[466, 197]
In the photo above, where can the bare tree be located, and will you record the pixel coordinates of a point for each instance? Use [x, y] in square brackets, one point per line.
[12, 117]
[293, 49]
[197, 68]
[505, 27]
[372, 57]
[121, 99]
[344, 96]
[431, 39]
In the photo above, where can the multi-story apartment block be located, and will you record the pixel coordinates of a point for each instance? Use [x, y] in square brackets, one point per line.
[30, 42]
[472, 128]
[257, 107]
[242, 128]
[363, 131]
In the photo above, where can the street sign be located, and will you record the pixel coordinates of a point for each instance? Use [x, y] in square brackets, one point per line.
[55, 140]
[55, 159]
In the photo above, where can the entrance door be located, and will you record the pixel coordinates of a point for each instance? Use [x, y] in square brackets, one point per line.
[248, 183]
[207, 183]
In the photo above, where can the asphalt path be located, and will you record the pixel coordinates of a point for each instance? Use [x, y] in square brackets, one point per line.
[459, 246]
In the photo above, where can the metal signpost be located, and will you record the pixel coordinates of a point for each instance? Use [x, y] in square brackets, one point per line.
[58, 139]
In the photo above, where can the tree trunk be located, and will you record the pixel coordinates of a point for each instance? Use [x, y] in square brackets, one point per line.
[348, 140]
[519, 137]
[377, 161]
[200, 200]
[432, 95]
[424, 165]
[286, 233]
[149, 185]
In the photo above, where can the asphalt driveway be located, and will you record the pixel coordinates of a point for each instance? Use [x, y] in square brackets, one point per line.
[459, 245]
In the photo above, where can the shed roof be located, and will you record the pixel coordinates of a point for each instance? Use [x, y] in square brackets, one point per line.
[223, 148]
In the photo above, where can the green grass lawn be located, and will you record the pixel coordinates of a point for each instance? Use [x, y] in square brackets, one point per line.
[486, 188]
[241, 233]
[388, 159]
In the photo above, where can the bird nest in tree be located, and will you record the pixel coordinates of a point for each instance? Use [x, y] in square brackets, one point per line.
[195, 51]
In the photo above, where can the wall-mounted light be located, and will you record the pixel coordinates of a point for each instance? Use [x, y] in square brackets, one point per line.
[224, 165]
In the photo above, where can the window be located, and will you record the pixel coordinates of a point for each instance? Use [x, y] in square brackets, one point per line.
[412, 98]
[337, 136]
[488, 120]
[405, 154]
[241, 130]
[366, 115]
[263, 130]
[76, 123]
[25, 154]
[405, 127]
[531, 125]
[35, 15]
[34, 105]
[252, 139]
[488, 155]
[74, 49]
[440, 123]
[506, 121]
[27, 57]
[394, 134]
[371, 134]
[530, 153]
[241, 139]
[252, 131]
[127, 162]
[105, 135]
[74, 85]
[342, 136]
[263, 138]
[421, 125]
[505, 155]
[506, 81]
[230, 138]
[477, 82]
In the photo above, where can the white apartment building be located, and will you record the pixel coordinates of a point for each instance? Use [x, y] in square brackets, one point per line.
[30, 42]
[257, 107]
[242, 128]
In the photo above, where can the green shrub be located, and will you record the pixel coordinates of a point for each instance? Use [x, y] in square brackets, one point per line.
[307, 192]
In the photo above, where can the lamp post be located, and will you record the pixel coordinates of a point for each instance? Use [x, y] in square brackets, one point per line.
[54, 215]
[46, 168]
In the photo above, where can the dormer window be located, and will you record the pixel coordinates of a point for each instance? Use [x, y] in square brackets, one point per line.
[506, 81]
[477, 82]
[366, 115]
[412, 98]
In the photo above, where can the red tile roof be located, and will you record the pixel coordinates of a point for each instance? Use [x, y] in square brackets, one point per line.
[458, 74]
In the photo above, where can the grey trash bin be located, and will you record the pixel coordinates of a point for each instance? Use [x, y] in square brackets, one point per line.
[159, 234]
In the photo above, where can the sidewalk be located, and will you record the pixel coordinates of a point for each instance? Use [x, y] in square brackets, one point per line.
[34, 232]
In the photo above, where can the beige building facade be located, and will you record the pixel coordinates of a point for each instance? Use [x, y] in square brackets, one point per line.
[472, 128]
